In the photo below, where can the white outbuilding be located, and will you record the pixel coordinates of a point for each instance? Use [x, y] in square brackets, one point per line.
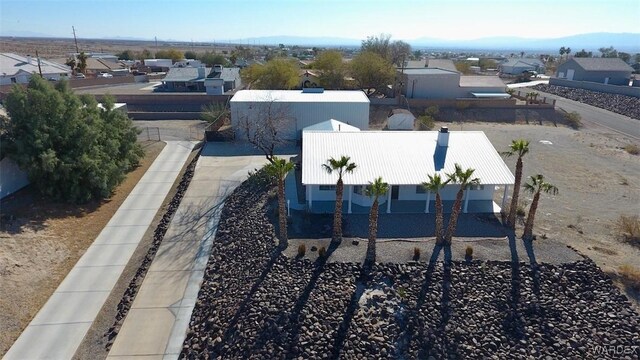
[301, 109]
[401, 119]
[403, 159]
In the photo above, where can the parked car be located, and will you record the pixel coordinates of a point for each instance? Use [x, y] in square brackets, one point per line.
[105, 75]
[80, 76]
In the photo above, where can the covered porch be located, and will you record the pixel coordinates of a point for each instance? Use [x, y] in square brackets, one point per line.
[407, 207]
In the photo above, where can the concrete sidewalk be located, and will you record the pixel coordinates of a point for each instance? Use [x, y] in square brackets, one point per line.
[59, 327]
[156, 325]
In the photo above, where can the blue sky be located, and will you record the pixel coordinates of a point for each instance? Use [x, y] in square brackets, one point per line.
[240, 19]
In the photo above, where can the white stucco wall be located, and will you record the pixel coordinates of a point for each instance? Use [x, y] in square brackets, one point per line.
[12, 178]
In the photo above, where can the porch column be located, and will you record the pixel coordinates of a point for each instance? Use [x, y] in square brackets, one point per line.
[466, 200]
[350, 193]
[309, 200]
[504, 196]
[389, 200]
[426, 207]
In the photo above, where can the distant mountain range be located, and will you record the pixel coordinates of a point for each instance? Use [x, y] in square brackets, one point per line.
[629, 42]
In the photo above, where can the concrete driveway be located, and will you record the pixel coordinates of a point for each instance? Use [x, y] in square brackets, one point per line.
[159, 317]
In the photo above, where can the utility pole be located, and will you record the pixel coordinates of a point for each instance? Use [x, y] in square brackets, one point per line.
[38, 59]
[156, 39]
[75, 39]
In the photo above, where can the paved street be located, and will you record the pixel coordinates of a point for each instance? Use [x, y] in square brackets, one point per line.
[595, 115]
[59, 327]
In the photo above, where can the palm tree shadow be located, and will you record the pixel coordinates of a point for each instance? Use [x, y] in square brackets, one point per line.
[450, 345]
[535, 269]
[414, 321]
[513, 322]
[294, 318]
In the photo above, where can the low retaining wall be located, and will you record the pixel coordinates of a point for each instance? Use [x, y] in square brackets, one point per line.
[464, 103]
[587, 85]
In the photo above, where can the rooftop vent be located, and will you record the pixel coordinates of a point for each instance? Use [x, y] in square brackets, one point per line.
[443, 136]
[313, 90]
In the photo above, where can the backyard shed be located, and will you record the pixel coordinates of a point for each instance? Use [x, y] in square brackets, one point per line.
[302, 108]
[401, 119]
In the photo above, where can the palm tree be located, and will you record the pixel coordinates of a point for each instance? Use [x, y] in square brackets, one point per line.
[341, 166]
[375, 189]
[518, 147]
[434, 185]
[82, 62]
[535, 186]
[279, 169]
[462, 177]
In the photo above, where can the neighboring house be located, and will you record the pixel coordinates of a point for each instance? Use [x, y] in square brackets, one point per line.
[16, 69]
[96, 66]
[401, 119]
[444, 64]
[403, 159]
[188, 63]
[157, 65]
[611, 71]
[516, 66]
[215, 81]
[434, 83]
[301, 108]
[309, 78]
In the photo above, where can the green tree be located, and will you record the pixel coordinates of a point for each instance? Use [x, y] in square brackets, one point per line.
[332, 69]
[609, 52]
[144, 54]
[71, 149]
[400, 51]
[462, 177]
[372, 72]
[341, 166]
[210, 58]
[189, 54]
[535, 186]
[276, 74]
[126, 55]
[278, 170]
[173, 54]
[377, 44]
[626, 57]
[434, 185]
[519, 147]
[417, 54]
[71, 62]
[485, 64]
[583, 54]
[375, 189]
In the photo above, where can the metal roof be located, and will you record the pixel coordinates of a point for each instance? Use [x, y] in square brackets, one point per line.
[400, 157]
[185, 74]
[299, 96]
[331, 125]
[11, 64]
[429, 71]
[480, 80]
[602, 64]
[444, 64]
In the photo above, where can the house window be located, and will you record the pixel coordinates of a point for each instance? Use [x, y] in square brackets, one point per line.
[358, 189]
[420, 189]
[13, 80]
[327, 188]
[476, 187]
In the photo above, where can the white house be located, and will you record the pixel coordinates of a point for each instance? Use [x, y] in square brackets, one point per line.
[16, 69]
[401, 119]
[302, 108]
[403, 159]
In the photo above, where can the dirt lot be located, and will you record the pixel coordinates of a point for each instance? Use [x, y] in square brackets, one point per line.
[597, 179]
[43, 241]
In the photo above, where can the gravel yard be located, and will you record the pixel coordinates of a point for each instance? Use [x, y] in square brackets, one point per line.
[257, 303]
[621, 104]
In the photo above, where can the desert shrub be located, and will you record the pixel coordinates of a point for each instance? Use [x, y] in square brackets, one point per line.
[322, 252]
[426, 122]
[468, 252]
[632, 149]
[402, 292]
[521, 210]
[628, 227]
[432, 111]
[574, 119]
[629, 276]
[416, 253]
[302, 249]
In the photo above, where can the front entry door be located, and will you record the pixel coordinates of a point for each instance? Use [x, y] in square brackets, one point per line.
[394, 192]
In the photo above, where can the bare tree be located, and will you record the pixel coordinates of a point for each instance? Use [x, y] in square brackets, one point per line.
[265, 125]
